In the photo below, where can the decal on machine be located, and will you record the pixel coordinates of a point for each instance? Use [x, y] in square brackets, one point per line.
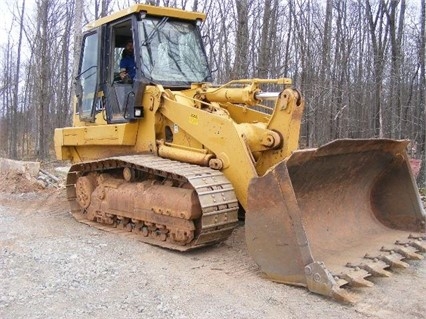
[193, 119]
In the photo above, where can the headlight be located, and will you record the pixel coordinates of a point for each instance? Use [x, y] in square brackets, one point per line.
[138, 111]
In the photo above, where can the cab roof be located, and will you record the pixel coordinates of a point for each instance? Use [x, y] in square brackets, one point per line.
[150, 10]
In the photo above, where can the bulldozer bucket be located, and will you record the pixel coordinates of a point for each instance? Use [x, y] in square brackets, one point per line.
[330, 217]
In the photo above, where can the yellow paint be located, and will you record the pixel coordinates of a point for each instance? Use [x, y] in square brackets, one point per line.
[151, 10]
[204, 124]
[193, 119]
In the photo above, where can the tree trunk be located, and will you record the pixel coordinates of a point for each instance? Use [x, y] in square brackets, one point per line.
[264, 50]
[379, 36]
[44, 72]
[423, 81]
[395, 32]
[14, 108]
[240, 68]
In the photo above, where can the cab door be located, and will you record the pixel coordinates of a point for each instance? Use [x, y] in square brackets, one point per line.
[87, 80]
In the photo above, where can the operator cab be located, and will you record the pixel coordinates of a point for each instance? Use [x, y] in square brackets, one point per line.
[168, 51]
[171, 52]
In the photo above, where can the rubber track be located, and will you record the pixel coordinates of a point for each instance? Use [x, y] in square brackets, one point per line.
[219, 204]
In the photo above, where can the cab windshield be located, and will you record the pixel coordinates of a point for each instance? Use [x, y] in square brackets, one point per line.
[171, 52]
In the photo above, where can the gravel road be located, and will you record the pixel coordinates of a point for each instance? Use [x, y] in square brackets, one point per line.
[53, 267]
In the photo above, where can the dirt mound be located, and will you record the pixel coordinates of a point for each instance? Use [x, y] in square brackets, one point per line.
[12, 182]
[28, 177]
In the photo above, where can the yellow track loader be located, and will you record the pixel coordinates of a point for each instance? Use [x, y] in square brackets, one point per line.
[166, 155]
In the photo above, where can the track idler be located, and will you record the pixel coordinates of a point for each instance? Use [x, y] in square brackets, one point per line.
[331, 217]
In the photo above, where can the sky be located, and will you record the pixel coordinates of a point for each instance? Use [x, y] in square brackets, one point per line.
[6, 16]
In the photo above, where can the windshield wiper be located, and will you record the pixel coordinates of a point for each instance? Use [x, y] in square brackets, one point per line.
[154, 31]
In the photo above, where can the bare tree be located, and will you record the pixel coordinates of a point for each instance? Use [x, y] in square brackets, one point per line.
[422, 62]
[359, 63]
[42, 89]
[395, 32]
[265, 53]
[14, 109]
[240, 67]
[379, 38]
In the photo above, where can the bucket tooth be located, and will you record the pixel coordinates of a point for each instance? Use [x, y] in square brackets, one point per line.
[357, 281]
[320, 280]
[376, 266]
[340, 280]
[406, 252]
[417, 237]
[419, 245]
[356, 277]
[409, 253]
[343, 295]
[394, 260]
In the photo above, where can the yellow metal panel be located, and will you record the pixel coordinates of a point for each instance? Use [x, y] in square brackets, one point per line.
[244, 114]
[152, 10]
[220, 134]
[118, 134]
[61, 152]
[286, 119]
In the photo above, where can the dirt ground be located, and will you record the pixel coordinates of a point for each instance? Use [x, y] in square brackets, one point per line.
[53, 267]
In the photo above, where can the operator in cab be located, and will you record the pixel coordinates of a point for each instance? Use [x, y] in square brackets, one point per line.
[127, 63]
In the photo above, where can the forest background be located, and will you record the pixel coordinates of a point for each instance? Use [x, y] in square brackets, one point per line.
[359, 63]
